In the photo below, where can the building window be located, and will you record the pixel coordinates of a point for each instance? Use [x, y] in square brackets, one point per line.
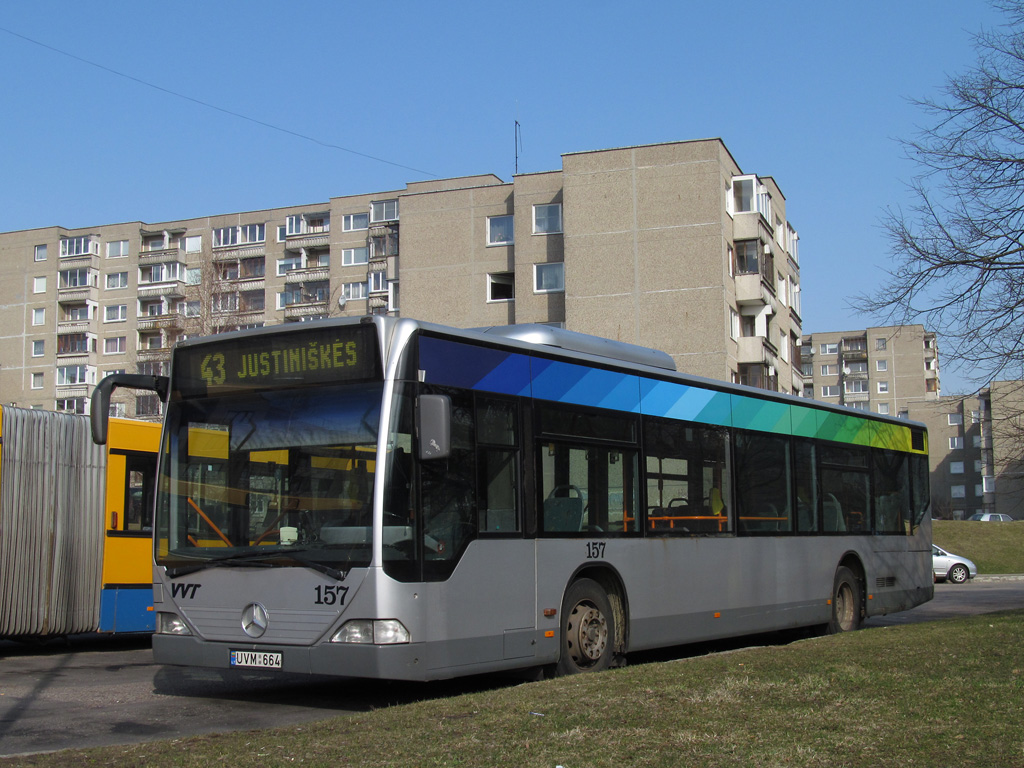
[74, 278]
[252, 233]
[954, 419]
[831, 390]
[734, 327]
[883, 387]
[352, 222]
[115, 345]
[78, 246]
[880, 344]
[70, 405]
[988, 484]
[883, 408]
[378, 282]
[856, 387]
[38, 316]
[860, 367]
[351, 257]
[747, 257]
[501, 286]
[384, 210]
[354, 290]
[830, 348]
[117, 249]
[956, 467]
[39, 285]
[37, 381]
[547, 219]
[147, 405]
[499, 230]
[40, 252]
[115, 313]
[117, 280]
[881, 366]
[193, 244]
[957, 491]
[288, 263]
[77, 312]
[829, 369]
[71, 374]
[38, 348]
[955, 443]
[549, 278]
[72, 344]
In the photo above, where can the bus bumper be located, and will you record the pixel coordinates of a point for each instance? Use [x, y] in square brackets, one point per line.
[393, 662]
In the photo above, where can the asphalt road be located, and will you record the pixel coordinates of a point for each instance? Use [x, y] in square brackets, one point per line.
[95, 690]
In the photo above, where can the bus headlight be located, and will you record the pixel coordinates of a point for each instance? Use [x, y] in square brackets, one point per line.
[171, 624]
[377, 632]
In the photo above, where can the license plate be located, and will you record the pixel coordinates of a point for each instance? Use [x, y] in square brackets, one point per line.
[260, 659]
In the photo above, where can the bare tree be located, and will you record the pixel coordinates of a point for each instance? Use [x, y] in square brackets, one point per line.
[958, 251]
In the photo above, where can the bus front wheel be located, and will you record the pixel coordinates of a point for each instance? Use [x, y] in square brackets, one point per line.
[846, 602]
[588, 629]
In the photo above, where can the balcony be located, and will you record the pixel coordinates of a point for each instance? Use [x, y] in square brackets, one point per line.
[306, 274]
[856, 397]
[756, 349]
[295, 311]
[159, 322]
[171, 289]
[171, 251]
[230, 253]
[751, 291]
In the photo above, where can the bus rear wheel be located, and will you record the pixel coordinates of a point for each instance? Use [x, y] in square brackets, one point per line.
[588, 629]
[846, 602]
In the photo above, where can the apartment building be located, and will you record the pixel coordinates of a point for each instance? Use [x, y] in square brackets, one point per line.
[881, 369]
[976, 445]
[670, 246]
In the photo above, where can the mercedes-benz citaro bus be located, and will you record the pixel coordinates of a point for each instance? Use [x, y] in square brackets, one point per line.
[381, 497]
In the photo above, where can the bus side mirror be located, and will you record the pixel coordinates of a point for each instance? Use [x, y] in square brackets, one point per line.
[99, 411]
[434, 426]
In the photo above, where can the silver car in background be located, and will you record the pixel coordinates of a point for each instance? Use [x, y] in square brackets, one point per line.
[950, 567]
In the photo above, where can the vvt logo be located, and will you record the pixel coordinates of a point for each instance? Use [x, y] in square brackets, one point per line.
[187, 591]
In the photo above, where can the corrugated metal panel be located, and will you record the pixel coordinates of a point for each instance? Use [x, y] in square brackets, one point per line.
[52, 480]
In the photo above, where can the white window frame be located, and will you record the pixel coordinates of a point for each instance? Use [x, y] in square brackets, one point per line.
[957, 491]
[829, 348]
[38, 347]
[553, 266]
[954, 419]
[829, 369]
[123, 281]
[547, 218]
[352, 222]
[117, 249]
[37, 381]
[39, 316]
[830, 390]
[119, 315]
[856, 387]
[492, 221]
[355, 291]
[39, 252]
[120, 345]
[377, 281]
[380, 210]
[500, 278]
[956, 467]
[39, 284]
[883, 387]
[881, 366]
[883, 408]
[351, 257]
[281, 264]
[193, 244]
[956, 443]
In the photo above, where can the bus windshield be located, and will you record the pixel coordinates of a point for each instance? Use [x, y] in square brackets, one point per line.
[279, 477]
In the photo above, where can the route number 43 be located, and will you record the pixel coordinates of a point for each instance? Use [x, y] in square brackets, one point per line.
[327, 594]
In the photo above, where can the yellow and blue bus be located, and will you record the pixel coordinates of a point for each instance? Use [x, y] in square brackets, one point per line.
[388, 498]
[75, 525]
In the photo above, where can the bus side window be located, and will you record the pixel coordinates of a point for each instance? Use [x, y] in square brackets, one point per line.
[140, 481]
[497, 437]
[763, 484]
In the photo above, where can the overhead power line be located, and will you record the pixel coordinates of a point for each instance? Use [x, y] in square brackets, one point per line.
[208, 105]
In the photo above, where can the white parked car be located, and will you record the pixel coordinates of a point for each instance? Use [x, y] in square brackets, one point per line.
[993, 517]
[954, 568]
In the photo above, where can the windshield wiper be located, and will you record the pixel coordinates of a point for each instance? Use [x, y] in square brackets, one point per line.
[259, 560]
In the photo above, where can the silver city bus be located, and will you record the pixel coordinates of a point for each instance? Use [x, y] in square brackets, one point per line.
[380, 497]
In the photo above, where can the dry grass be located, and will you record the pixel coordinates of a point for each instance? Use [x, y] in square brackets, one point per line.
[943, 693]
[994, 547]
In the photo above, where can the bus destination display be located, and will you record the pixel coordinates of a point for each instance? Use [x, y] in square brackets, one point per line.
[276, 360]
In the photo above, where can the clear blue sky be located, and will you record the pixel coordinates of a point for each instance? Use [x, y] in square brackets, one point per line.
[814, 94]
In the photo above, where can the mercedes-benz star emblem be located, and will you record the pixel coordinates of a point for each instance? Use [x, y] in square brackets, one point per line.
[255, 620]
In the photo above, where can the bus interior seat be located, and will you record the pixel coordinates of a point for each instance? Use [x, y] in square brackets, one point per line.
[833, 514]
[563, 513]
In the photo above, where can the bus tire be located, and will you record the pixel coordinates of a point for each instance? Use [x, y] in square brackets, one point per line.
[588, 629]
[846, 602]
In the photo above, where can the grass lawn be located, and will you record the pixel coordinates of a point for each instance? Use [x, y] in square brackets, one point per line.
[947, 693]
[994, 547]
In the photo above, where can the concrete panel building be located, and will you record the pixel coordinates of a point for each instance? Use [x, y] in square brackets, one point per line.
[670, 246]
[882, 369]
